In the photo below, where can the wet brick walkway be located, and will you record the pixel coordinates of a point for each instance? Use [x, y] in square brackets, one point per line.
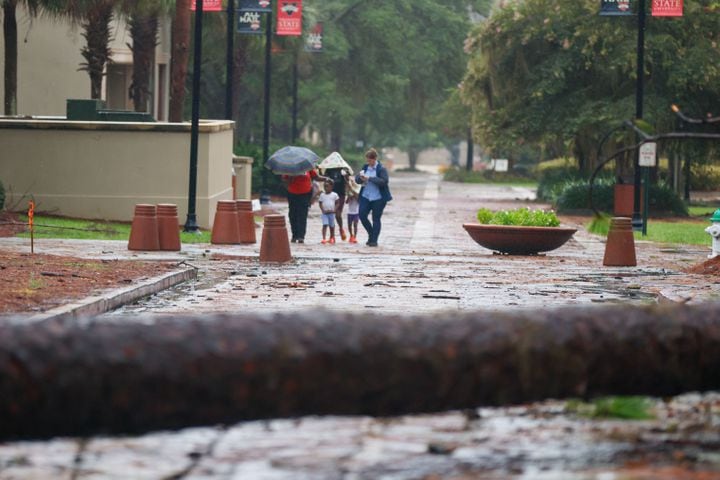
[425, 263]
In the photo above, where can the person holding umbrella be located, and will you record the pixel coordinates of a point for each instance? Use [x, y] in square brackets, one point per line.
[337, 169]
[299, 194]
[374, 195]
[297, 167]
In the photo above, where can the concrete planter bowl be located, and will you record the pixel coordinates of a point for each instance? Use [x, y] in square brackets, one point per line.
[516, 240]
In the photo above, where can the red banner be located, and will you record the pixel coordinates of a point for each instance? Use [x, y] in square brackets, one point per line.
[208, 5]
[289, 20]
[667, 8]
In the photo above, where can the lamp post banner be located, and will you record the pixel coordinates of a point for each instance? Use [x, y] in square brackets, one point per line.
[264, 6]
[209, 5]
[667, 8]
[314, 39]
[289, 20]
[615, 7]
[249, 23]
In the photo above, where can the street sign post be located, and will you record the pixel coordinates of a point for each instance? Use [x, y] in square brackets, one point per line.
[648, 154]
[500, 164]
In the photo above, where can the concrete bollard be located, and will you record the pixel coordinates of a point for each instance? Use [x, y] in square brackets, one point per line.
[620, 246]
[246, 221]
[144, 230]
[225, 226]
[275, 245]
[168, 227]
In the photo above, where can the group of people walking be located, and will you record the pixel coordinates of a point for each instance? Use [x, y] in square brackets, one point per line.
[340, 190]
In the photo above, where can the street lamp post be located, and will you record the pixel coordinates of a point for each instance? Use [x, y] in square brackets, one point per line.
[637, 220]
[191, 221]
[264, 195]
[230, 60]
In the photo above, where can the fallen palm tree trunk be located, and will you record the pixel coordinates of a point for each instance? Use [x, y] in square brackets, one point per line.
[79, 377]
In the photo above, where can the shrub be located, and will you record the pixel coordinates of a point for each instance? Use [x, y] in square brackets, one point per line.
[575, 196]
[663, 199]
[461, 175]
[705, 178]
[2, 196]
[563, 162]
[553, 181]
[520, 217]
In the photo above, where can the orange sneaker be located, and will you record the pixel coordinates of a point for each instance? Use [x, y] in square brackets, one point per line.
[323, 241]
[332, 240]
[353, 240]
[342, 234]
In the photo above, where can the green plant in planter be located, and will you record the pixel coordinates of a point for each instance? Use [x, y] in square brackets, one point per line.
[519, 217]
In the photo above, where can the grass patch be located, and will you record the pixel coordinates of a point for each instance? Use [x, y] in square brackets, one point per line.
[702, 210]
[688, 232]
[625, 408]
[72, 228]
[35, 283]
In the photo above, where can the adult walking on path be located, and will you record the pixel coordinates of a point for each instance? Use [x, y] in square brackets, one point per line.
[299, 188]
[374, 195]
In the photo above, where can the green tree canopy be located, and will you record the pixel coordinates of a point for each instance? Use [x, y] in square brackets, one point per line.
[386, 69]
[557, 75]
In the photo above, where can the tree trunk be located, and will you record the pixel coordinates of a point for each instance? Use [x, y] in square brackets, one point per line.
[179, 61]
[80, 377]
[11, 51]
[336, 134]
[413, 154]
[470, 152]
[97, 33]
[144, 33]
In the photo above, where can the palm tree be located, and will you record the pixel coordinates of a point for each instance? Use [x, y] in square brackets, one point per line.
[143, 24]
[97, 33]
[144, 33]
[179, 58]
[9, 8]
[95, 17]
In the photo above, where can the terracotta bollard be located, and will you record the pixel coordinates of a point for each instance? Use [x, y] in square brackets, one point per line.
[144, 230]
[275, 246]
[620, 246]
[225, 227]
[168, 227]
[246, 221]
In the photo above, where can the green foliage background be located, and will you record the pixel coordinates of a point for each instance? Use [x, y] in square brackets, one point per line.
[387, 69]
[557, 76]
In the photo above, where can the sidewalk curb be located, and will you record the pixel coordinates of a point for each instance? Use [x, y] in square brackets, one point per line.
[111, 300]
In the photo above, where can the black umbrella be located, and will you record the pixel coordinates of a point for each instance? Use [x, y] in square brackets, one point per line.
[292, 161]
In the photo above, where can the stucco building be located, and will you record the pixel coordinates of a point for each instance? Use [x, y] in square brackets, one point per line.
[49, 59]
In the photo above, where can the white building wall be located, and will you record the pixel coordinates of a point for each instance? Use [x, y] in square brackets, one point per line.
[49, 58]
